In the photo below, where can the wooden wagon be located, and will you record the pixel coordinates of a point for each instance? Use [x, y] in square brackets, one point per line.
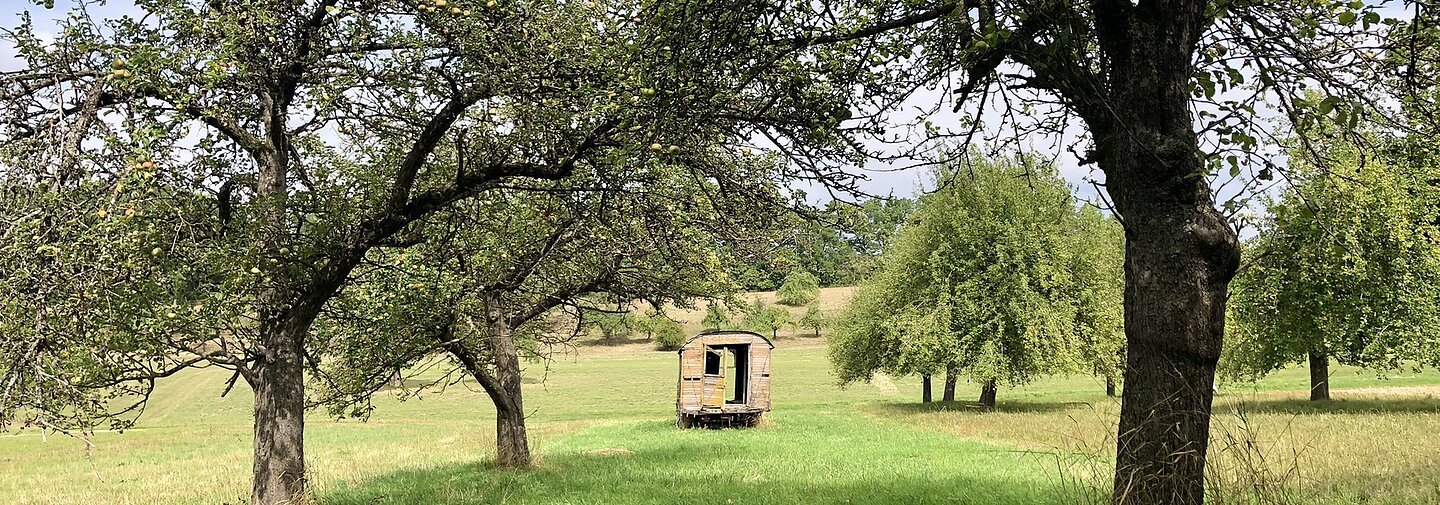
[724, 379]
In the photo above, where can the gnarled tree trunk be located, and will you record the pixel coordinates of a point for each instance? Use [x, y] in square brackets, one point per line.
[1180, 253]
[1180, 256]
[950, 378]
[512, 448]
[279, 466]
[987, 394]
[1319, 376]
[1178, 265]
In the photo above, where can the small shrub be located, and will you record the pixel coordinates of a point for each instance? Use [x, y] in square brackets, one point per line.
[669, 336]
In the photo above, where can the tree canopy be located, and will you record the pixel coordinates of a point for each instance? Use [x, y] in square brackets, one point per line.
[1346, 267]
[999, 276]
[800, 288]
[513, 274]
[268, 149]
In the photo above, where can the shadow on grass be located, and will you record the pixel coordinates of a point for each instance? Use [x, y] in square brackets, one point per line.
[1356, 406]
[603, 342]
[1031, 407]
[842, 460]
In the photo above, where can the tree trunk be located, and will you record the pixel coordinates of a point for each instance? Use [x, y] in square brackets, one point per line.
[1180, 253]
[950, 378]
[987, 394]
[1179, 260]
[1180, 256]
[279, 374]
[1109, 386]
[279, 466]
[925, 388]
[1319, 376]
[512, 448]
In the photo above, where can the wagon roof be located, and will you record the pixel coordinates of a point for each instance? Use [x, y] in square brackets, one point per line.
[727, 332]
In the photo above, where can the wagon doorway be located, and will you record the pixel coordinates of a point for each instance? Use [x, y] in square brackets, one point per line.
[731, 365]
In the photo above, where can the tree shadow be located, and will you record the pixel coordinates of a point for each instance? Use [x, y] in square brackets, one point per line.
[406, 384]
[1348, 406]
[704, 467]
[614, 342]
[1001, 406]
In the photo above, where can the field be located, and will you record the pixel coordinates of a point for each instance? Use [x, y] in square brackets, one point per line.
[866, 444]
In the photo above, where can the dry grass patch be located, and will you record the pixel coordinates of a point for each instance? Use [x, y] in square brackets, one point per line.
[1370, 445]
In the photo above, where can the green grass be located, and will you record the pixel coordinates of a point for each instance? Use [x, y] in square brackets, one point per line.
[600, 422]
[795, 458]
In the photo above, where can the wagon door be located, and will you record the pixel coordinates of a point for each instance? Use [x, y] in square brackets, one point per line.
[714, 381]
[760, 378]
[692, 362]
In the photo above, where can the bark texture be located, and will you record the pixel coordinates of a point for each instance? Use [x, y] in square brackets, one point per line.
[1180, 252]
[1319, 376]
[279, 372]
[279, 472]
[512, 447]
[1180, 256]
[925, 396]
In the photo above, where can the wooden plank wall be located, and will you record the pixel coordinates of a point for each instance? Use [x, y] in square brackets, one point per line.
[692, 363]
[760, 375]
[714, 392]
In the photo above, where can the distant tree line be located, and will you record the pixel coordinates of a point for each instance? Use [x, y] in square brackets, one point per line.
[839, 246]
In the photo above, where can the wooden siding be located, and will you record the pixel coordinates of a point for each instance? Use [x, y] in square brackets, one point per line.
[697, 392]
[760, 376]
[692, 360]
[713, 395]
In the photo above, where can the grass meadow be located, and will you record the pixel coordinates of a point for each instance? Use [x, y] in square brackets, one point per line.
[601, 425]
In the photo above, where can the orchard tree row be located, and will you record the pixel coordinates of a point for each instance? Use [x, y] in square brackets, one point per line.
[1344, 267]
